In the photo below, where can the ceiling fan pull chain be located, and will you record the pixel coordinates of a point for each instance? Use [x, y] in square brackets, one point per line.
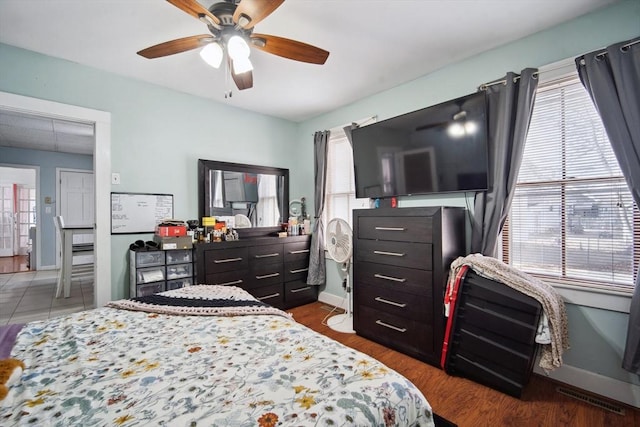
[227, 73]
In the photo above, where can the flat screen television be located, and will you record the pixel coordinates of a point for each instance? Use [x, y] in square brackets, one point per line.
[438, 149]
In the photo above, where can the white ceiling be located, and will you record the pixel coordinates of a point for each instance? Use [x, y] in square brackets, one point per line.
[374, 44]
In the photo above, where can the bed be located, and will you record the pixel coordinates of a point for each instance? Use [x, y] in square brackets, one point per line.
[200, 356]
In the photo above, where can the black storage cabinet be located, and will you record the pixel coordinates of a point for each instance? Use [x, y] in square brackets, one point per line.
[492, 338]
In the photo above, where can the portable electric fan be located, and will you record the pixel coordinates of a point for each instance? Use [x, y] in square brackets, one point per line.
[338, 244]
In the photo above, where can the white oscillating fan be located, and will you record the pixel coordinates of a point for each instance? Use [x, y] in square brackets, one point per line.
[339, 245]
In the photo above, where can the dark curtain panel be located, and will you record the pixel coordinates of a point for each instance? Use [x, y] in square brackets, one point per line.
[347, 132]
[612, 78]
[510, 104]
[317, 263]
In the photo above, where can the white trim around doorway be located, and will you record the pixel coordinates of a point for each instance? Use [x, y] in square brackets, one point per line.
[101, 167]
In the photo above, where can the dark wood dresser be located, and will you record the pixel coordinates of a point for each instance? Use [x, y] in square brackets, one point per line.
[401, 261]
[492, 335]
[272, 269]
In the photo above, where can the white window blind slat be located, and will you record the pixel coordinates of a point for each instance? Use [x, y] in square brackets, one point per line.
[573, 216]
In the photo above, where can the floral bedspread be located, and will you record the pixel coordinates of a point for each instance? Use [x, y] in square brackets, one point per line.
[117, 367]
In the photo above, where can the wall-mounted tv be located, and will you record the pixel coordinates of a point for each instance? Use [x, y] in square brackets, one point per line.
[438, 149]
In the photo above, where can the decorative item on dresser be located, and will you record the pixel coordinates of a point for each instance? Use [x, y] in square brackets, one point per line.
[401, 261]
[272, 269]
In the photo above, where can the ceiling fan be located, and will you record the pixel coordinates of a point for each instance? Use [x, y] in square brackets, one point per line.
[231, 24]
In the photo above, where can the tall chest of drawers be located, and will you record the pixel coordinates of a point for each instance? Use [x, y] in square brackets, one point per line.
[273, 270]
[401, 261]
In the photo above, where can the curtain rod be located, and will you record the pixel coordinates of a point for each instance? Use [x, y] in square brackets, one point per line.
[515, 79]
[355, 124]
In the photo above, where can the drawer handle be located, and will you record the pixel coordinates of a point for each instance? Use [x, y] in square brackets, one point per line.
[300, 270]
[391, 228]
[393, 279]
[388, 253]
[301, 251]
[269, 296]
[306, 288]
[235, 282]
[386, 301]
[267, 255]
[386, 325]
[221, 261]
[266, 276]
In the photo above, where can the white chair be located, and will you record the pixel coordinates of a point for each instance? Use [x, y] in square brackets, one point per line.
[68, 250]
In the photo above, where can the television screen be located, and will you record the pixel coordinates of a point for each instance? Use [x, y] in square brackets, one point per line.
[438, 149]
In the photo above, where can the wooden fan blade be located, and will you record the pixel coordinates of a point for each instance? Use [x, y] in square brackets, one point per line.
[254, 11]
[288, 48]
[242, 80]
[195, 9]
[176, 46]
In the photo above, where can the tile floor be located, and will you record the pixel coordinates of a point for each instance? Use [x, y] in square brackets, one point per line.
[29, 296]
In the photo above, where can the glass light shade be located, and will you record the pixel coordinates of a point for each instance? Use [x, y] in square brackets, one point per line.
[212, 54]
[456, 130]
[238, 48]
[242, 65]
[470, 127]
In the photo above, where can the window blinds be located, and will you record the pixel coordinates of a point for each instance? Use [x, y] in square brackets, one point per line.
[572, 217]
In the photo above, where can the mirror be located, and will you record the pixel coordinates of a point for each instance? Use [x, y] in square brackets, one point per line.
[258, 196]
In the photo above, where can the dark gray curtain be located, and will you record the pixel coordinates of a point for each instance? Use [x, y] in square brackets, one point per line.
[612, 78]
[317, 263]
[347, 132]
[510, 104]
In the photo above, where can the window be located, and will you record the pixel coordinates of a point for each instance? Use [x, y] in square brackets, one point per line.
[26, 214]
[573, 219]
[340, 189]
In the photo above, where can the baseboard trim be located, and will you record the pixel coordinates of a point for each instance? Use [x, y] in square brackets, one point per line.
[333, 300]
[611, 388]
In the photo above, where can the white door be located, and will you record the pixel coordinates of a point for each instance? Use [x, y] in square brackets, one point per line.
[7, 220]
[76, 203]
[77, 196]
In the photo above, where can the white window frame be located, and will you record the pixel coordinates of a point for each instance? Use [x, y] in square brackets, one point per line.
[338, 137]
[615, 299]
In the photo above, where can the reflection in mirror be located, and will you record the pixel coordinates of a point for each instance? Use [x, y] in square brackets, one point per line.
[257, 196]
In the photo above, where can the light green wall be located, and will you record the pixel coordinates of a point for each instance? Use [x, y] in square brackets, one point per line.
[598, 336]
[157, 135]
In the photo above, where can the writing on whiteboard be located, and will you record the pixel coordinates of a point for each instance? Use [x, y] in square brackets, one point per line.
[139, 212]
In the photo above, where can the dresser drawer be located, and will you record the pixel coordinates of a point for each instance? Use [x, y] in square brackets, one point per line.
[271, 295]
[238, 278]
[402, 279]
[296, 270]
[262, 275]
[297, 292]
[389, 300]
[400, 254]
[221, 260]
[265, 254]
[296, 251]
[399, 229]
[405, 335]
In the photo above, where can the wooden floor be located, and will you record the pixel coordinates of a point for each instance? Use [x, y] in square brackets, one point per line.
[13, 264]
[469, 404]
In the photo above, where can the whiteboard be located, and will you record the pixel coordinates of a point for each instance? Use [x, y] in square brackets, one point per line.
[139, 212]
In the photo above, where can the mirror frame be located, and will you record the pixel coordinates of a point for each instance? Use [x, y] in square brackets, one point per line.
[206, 166]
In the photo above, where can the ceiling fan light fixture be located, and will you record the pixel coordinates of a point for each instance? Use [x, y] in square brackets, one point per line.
[238, 48]
[212, 54]
[242, 65]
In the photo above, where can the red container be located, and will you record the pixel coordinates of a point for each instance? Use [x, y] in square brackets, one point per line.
[171, 230]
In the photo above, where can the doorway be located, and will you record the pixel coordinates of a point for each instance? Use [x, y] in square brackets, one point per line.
[18, 195]
[102, 170]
